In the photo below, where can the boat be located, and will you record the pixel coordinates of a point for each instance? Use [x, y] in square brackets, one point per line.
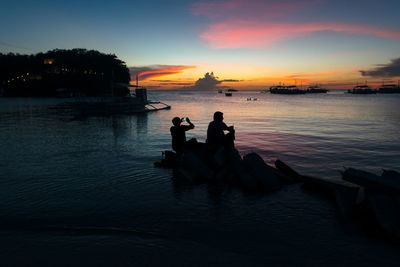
[232, 90]
[219, 91]
[362, 90]
[228, 94]
[286, 90]
[389, 89]
[316, 89]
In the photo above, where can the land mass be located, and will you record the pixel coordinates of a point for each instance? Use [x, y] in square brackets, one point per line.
[60, 72]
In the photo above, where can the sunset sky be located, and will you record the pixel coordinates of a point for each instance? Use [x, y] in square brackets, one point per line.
[248, 44]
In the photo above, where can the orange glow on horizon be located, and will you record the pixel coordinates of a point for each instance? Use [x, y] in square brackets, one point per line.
[160, 71]
[250, 77]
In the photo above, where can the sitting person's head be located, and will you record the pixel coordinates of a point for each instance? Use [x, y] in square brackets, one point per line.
[218, 116]
[176, 121]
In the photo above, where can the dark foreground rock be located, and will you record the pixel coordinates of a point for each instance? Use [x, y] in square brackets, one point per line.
[359, 196]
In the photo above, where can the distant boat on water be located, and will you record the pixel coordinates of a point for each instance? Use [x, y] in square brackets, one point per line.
[389, 89]
[286, 90]
[232, 90]
[362, 90]
[219, 91]
[228, 94]
[316, 89]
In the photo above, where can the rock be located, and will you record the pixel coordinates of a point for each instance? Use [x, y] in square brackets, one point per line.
[387, 213]
[390, 174]
[226, 175]
[220, 158]
[265, 174]
[188, 175]
[328, 186]
[290, 175]
[191, 162]
[346, 200]
[249, 182]
[388, 183]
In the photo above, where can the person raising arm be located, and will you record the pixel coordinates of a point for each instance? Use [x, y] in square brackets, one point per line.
[178, 133]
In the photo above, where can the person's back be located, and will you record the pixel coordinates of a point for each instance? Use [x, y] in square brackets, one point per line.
[215, 132]
[178, 134]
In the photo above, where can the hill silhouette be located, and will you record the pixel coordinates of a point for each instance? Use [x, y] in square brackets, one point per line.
[76, 71]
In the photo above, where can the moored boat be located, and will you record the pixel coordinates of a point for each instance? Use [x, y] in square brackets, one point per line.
[389, 89]
[316, 89]
[362, 90]
[286, 90]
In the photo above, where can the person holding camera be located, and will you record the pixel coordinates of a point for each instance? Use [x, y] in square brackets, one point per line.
[178, 133]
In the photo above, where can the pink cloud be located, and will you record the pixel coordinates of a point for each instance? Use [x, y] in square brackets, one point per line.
[260, 23]
[257, 34]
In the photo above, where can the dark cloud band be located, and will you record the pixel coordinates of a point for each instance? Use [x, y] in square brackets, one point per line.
[391, 69]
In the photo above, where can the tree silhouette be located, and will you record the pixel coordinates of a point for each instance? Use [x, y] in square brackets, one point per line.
[80, 71]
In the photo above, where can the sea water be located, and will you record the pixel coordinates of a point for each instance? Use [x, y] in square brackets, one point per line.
[84, 191]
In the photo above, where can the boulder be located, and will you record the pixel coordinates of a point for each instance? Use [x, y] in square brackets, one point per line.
[346, 199]
[265, 174]
[390, 174]
[249, 182]
[328, 186]
[289, 175]
[187, 175]
[387, 213]
[388, 183]
[219, 159]
[191, 162]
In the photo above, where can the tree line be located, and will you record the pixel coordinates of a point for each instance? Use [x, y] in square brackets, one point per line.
[79, 72]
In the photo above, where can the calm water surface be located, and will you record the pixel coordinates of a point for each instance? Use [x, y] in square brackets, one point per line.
[84, 191]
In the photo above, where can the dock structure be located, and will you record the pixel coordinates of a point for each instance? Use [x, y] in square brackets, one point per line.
[136, 102]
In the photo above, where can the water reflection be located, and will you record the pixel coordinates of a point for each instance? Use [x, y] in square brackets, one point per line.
[142, 124]
[101, 168]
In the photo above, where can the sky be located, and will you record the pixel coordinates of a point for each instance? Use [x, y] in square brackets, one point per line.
[250, 44]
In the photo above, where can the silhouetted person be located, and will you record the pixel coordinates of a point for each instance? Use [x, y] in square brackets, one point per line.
[215, 132]
[178, 134]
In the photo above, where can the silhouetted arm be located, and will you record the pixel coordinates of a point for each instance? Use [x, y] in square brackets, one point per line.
[191, 125]
[225, 127]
